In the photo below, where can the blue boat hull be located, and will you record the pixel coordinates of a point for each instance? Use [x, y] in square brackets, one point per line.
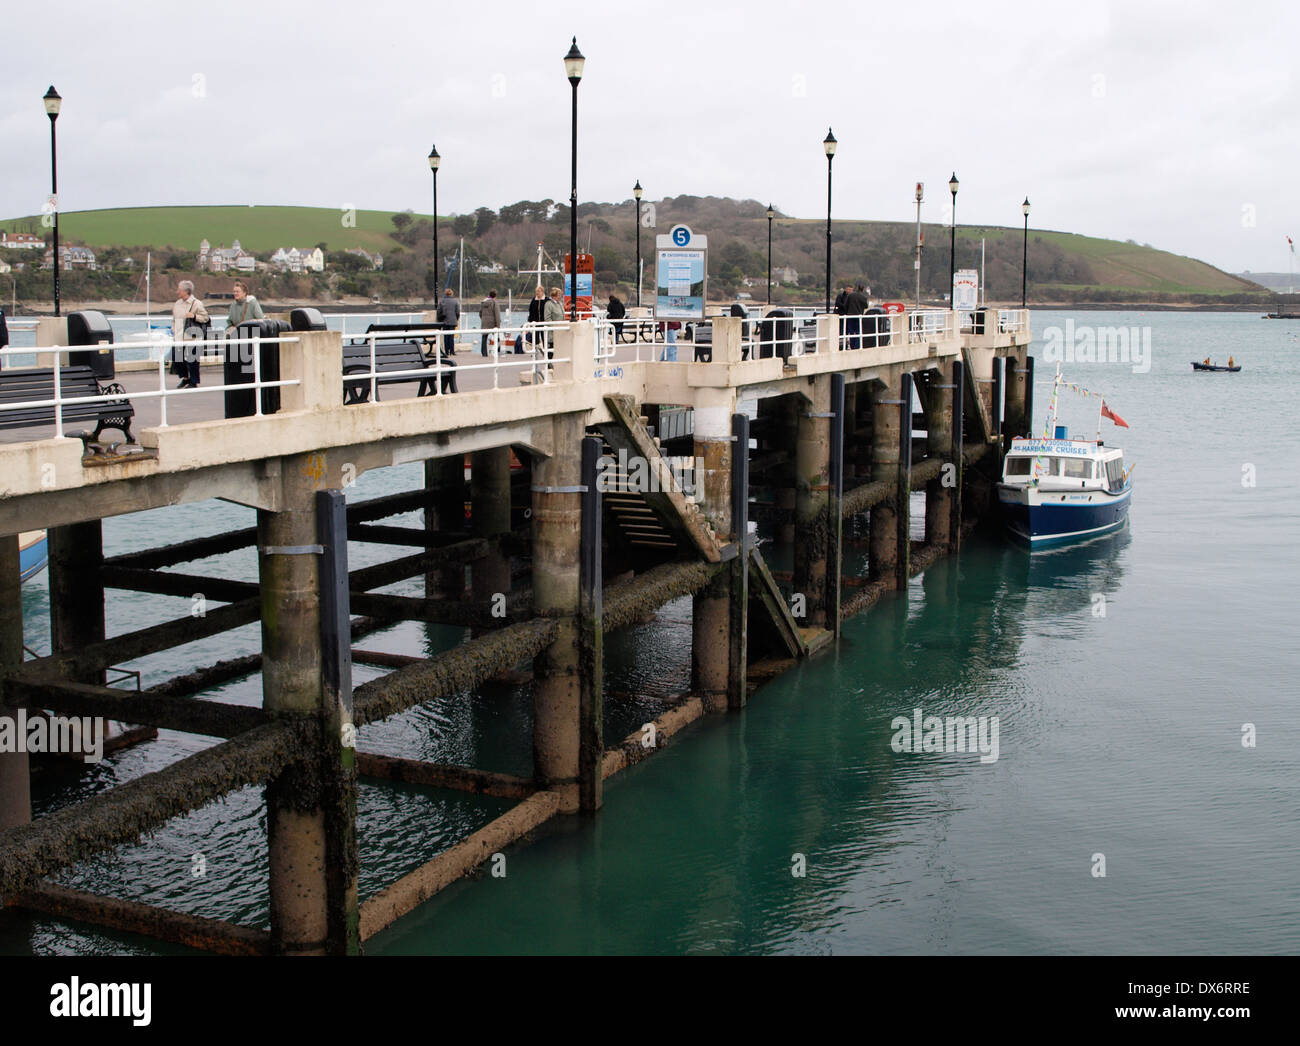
[1053, 524]
[32, 558]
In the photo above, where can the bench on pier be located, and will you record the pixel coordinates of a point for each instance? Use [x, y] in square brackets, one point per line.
[37, 383]
[394, 353]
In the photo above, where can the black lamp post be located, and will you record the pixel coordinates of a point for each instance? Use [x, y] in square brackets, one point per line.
[573, 63]
[52, 103]
[434, 161]
[770, 215]
[828, 144]
[1024, 257]
[952, 248]
[636, 192]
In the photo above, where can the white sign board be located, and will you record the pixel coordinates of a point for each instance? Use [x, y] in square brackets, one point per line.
[965, 290]
[681, 274]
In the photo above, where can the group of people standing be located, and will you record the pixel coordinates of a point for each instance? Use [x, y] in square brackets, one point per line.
[492, 317]
[191, 323]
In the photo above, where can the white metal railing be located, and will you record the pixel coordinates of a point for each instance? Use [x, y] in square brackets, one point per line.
[162, 393]
[535, 339]
[1013, 321]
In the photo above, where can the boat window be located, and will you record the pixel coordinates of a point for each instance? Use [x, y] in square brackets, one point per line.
[1018, 466]
[1077, 468]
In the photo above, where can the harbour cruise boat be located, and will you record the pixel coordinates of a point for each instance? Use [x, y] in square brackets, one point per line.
[1056, 490]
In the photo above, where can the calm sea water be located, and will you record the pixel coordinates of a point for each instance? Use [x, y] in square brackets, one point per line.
[1119, 735]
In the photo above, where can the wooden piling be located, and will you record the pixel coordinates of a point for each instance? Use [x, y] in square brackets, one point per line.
[76, 554]
[489, 519]
[591, 639]
[738, 638]
[15, 780]
[882, 564]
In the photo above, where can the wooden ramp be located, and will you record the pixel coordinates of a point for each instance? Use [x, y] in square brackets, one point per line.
[765, 589]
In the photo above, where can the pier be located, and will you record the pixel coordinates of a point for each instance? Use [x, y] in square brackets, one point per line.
[598, 526]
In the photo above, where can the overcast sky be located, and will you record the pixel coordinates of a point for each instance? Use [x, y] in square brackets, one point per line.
[1168, 123]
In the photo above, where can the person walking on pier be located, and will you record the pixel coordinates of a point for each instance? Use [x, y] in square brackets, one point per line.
[840, 299]
[536, 311]
[489, 318]
[552, 312]
[449, 317]
[615, 312]
[245, 307]
[190, 320]
[855, 304]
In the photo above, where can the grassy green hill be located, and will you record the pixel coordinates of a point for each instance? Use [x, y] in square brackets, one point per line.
[256, 228]
[1125, 266]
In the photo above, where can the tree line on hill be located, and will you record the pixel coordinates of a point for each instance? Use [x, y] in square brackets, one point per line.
[880, 255]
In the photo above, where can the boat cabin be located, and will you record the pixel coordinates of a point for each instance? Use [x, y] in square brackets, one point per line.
[1064, 464]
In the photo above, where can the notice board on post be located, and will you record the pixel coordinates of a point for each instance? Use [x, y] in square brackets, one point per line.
[681, 274]
[965, 290]
[586, 284]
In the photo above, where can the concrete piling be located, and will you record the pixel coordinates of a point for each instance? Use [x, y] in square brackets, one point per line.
[812, 478]
[711, 618]
[938, 425]
[291, 686]
[557, 697]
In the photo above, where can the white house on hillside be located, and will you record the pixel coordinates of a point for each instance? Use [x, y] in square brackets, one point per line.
[21, 240]
[225, 259]
[298, 259]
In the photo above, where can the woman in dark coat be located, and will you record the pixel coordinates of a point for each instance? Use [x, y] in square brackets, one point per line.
[536, 309]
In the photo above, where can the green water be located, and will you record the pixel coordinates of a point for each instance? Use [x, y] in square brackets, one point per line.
[1119, 735]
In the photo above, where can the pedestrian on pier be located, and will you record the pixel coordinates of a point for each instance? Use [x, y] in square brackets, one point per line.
[489, 318]
[854, 306]
[615, 312]
[552, 312]
[536, 311]
[670, 329]
[190, 322]
[245, 307]
[449, 317]
[840, 299]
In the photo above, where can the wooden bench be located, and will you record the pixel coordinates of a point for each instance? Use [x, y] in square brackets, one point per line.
[37, 383]
[390, 357]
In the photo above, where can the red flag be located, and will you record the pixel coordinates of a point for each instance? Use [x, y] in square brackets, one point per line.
[1106, 412]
